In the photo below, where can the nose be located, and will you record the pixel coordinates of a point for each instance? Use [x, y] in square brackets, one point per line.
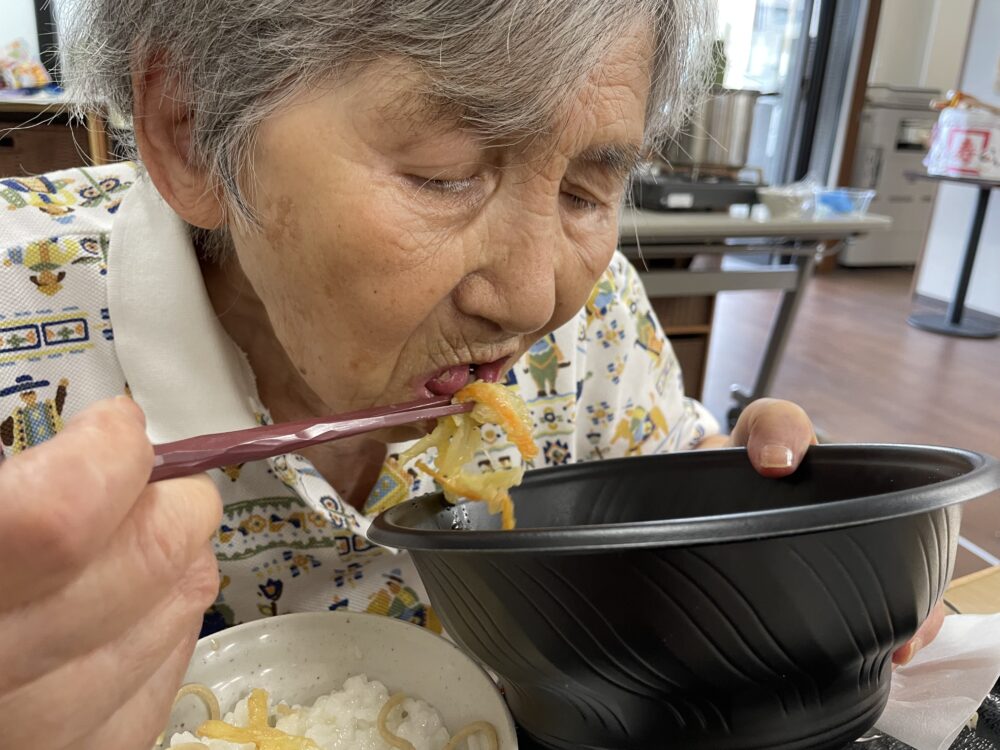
[513, 279]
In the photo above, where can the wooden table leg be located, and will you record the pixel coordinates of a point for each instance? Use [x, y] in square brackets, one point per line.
[97, 139]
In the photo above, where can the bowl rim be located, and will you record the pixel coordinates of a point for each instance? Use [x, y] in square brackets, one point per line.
[982, 478]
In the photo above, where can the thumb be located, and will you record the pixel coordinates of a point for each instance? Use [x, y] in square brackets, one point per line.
[777, 435]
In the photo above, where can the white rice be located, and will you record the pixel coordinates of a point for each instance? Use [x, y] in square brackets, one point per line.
[345, 719]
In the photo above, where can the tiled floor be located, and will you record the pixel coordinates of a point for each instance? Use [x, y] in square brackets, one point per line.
[864, 375]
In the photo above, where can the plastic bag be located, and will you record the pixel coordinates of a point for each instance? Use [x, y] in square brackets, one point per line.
[966, 139]
[19, 70]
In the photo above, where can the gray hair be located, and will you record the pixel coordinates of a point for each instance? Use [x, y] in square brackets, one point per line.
[504, 65]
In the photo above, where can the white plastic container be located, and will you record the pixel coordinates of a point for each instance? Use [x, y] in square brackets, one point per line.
[788, 202]
[966, 143]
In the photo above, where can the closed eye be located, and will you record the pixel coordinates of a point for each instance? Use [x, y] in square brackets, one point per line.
[445, 186]
[578, 202]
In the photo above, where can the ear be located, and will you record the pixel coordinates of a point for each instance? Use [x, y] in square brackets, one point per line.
[162, 126]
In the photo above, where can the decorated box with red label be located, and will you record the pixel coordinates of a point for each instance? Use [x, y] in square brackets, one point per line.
[966, 140]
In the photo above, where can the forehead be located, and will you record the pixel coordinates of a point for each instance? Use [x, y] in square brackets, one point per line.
[613, 92]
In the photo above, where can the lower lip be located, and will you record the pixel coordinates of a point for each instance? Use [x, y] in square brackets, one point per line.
[451, 381]
[491, 371]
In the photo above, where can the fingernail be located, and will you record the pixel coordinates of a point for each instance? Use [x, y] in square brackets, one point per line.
[127, 404]
[776, 457]
[908, 651]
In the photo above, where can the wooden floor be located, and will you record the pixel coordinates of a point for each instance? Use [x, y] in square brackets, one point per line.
[864, 375]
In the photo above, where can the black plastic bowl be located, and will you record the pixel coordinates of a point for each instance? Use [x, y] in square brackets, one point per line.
[683, 601]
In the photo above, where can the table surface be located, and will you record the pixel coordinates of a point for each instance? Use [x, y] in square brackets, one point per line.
[980, 182]
[977, 593]
[32, 103]
[641, 225]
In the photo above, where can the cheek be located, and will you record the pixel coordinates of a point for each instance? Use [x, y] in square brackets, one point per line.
[347, 287]
[591, 252]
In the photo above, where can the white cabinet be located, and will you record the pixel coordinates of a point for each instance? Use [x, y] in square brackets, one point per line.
[896, 124]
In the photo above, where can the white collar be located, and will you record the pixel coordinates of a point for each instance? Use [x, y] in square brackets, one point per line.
[181, 366]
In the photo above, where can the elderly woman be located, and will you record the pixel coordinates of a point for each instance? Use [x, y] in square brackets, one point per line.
[340, 204]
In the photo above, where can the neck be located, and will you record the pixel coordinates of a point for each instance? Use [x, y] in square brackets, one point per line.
[351, 465]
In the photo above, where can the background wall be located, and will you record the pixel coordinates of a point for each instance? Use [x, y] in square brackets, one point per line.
[921, 42]
[17, 21]
[955, 204]
[946, 42]
[901, 42]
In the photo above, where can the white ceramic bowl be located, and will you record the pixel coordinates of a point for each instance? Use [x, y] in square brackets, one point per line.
[299, 657]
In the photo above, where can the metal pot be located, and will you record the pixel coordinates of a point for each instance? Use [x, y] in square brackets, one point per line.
[717, 135]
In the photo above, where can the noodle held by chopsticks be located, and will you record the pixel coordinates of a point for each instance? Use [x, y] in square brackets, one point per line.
[458, 439]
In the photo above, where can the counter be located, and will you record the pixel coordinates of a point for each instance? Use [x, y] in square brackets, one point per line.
[639, 225]
[38, 135]
[655, 241]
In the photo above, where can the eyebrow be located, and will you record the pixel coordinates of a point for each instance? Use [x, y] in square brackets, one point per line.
[619, 158]
[420, 111]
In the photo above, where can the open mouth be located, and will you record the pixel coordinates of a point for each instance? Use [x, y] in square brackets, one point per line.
[451, 381]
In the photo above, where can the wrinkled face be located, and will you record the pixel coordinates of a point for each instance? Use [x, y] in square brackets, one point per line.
[399, 251]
